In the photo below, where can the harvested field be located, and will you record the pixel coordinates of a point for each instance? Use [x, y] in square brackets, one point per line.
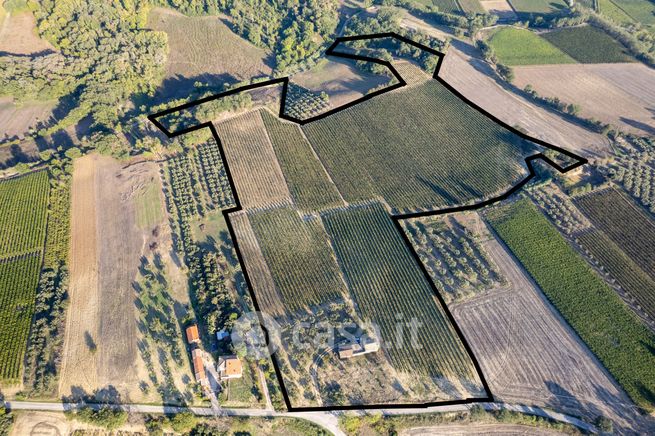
[257, 175]
[502, 8]
[205, 49]
[626, 100]
[385, 147]
[472, 77]
[16, 120]
[624, 222]
[617, 337]
[18, 35]
[530, 355]
[340, 79]
[100, 346]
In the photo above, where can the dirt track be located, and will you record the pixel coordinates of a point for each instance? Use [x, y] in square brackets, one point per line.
[620, 94]
[529, 355]
[479, 429]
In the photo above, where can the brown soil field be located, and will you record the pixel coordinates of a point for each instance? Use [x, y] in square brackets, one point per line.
[100, 347]
[472, 77]
[620, 94]
[529, 355]
[204, 48]
[56, 424]
[15, 120]
[480, 429]
[257, 174]
[340, 79]
[500, 8]
[18, 35]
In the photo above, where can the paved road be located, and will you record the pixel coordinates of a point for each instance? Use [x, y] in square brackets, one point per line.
[329, 421]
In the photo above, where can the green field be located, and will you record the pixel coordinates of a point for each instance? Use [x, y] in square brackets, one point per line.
[472, 6]
[642, 11]
[300, 259]
[588, 45]
[384, 281]
[18, 281]
[522, 47]
[537, 6]
[617, 337]
[624, 222]
[148, 206]
[609, 9]
[23, 206]
[307, 180]
[418, 148]
[628, 275]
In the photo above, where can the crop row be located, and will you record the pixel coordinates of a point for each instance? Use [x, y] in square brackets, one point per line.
[617, 337]
[418, 148]
[308, 182]
[299, 257]
[18, 281]
[624, 223]
[390, 290]
[23, 208]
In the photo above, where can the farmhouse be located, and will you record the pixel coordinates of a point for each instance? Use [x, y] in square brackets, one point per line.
[199, 367]
[192, 335]
[361, 346]
[229, 367]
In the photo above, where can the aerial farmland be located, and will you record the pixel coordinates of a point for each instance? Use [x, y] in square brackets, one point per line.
[386, 217]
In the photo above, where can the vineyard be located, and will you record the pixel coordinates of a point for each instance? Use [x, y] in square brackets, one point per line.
[308, 182]
[23, 206]
[624, 223]
[456, 262]
[418, 148]
[251, 158]
[588, 44]
[617, 337]
[18, 280]
[389, 289]
[299, 256]
[622, 270]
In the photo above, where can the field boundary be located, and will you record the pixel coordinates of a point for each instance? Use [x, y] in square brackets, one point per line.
[284, 81]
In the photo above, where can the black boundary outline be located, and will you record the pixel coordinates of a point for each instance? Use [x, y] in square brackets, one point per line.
[284, 81]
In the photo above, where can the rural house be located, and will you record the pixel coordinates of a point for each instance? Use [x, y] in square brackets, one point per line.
[199, 367]
[192, 335]
[361, 346]
[229, 367]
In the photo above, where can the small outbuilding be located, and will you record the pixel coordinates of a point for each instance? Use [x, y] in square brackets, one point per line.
[229, 367]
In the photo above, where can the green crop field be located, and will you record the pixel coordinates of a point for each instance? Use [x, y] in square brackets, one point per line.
[609, 9]
[18, 281]
[307, 180]
[538, 6]
[522, 47]
[624, 222]
[418, 148]
[472, 6]
[148, 206]
[642, 11]
[588, 44]
[627, 273]
[299, 256]
[23, 207]
[617, 337]
[384, 281]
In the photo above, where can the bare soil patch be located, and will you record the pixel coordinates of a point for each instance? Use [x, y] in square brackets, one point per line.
[16, 120]
[471, 76]
[529, 354]
[18, 35]
[101, 353]
[341, 80]
[480, 429]
[501, 8]
[620, 94]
